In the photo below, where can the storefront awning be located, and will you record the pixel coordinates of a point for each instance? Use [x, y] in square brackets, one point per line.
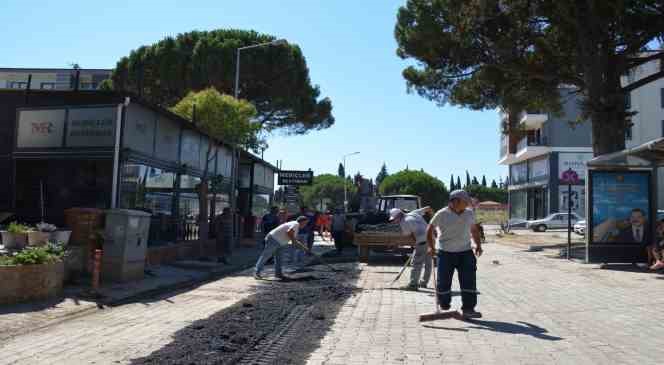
[649, 154]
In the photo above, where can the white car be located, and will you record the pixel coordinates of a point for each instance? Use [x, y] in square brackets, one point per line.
[553, 221]
[580, 228]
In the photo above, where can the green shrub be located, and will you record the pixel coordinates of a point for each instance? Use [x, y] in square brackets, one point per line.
[15, 227]
[52, 252]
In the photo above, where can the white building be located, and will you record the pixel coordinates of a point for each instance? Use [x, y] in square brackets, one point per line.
[648, 103]
[52, 78]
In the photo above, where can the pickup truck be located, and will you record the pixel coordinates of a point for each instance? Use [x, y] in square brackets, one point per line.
[370, 233]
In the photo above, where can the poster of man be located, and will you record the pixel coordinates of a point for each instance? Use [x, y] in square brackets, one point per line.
[621, 207]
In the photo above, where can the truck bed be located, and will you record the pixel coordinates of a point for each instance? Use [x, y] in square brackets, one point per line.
[386, 240]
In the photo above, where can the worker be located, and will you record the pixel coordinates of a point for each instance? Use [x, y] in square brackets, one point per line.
[413, 225]
[275, 242]
[452, 228]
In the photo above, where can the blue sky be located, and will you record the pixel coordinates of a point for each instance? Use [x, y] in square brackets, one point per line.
[350, 51]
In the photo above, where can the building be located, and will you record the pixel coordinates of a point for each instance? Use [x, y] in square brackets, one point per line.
[103, 150]
[648, 103]
[547, 146]
[52, 78]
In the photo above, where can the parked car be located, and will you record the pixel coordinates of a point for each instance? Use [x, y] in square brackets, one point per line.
[580, 228]
[553, 221]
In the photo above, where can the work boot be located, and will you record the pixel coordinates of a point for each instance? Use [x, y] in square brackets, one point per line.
[424, 285]
[445, 307]
[409, 288]
[282, 277]
[471, 313]
[258, 276]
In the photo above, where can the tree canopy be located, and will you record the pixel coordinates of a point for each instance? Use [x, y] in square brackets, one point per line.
[483, 193]
[274, 78]
[432, 191]
[515, 54]
[341, 172]
[382, 174]
[326, 187]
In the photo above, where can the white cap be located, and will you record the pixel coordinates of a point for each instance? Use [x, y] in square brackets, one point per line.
[395, 213]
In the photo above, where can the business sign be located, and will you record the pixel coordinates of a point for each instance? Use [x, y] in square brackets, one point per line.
[575, 162]
[40, 128]
[91, 127]
[620, 207]
[291, 194]
[296, 177]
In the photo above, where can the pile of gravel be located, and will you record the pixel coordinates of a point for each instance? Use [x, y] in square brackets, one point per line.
[383, 227]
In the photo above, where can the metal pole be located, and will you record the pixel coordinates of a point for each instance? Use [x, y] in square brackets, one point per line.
[569, 220]
[237, 73]
[345, 188]
[234, 159]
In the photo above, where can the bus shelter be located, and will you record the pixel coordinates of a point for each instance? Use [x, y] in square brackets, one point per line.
[622, 203]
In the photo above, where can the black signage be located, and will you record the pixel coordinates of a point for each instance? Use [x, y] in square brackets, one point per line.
[296, 178]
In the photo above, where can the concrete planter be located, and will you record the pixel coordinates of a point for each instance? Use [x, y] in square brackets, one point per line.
[37, 238]
[14, 240]
[23, 283]
[61, 236]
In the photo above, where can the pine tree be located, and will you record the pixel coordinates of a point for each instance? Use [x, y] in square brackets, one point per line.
[484, 180]
[493, 184]
[458, 184]
[452, 186]
[381, 175]
[475, 181]
[342, 170]
[467, 180]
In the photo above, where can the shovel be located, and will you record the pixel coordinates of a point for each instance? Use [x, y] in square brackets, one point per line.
[410, 259]
[319, 257]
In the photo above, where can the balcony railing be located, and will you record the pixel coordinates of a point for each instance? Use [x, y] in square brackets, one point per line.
[532, 141]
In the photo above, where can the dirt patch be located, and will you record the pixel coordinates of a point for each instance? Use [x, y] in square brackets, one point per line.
[232, 334]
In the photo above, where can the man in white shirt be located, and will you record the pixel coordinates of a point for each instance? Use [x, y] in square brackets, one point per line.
[413, 224]
[275, 242]
[452, 227]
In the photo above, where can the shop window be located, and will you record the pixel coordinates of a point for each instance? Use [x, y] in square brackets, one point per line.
[47, 85]
[147, 188]
[18, 85]
[189, 182]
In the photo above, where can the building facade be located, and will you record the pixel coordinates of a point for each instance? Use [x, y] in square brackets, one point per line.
[52, 78]
[546, 146]
[64, 149]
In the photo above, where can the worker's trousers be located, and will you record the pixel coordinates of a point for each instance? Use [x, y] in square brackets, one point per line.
[272, 248]
[465, 264]
[420, 257]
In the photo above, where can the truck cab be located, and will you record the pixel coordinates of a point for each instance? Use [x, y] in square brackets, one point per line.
[403, 202]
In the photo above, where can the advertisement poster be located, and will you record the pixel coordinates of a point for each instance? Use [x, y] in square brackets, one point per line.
[40, 128]
[578, 199]
[575, 161]
[621, 207]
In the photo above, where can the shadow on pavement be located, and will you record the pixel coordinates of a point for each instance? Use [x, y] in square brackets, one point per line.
[518, 328]
[279, 319]
[626, 268]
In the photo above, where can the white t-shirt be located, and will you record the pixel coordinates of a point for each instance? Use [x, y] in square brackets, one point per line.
[453, 229]
[414, 223]
[280, 234]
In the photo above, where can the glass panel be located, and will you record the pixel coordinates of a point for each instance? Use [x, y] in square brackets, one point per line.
[189, 182]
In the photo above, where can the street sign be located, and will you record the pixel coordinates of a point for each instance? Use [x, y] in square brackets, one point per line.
[570, 177]
[295, 178]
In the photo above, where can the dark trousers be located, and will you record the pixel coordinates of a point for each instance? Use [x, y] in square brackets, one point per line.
[465, 264]
[338, 237]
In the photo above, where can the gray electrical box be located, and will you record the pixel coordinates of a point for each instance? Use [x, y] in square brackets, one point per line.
[125, 245]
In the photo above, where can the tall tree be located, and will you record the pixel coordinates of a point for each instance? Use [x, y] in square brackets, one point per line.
[341, 171]
[514, 54]
[382, 174]
[432, 191]
[493, 184]
[274, 78]
[468, 182]
[484, 180]
[326, 188]
[458, 184]
[475, 181]
[452, 186]
[220, 117]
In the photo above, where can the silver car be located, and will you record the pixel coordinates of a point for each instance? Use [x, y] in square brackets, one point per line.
[580, 228]
[553, 221]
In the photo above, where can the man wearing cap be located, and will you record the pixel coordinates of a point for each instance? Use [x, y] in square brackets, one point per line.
[275, 241]
[452, 228]
[413, 225]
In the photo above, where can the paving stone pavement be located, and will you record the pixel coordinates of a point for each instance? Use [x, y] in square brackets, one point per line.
[537, 310]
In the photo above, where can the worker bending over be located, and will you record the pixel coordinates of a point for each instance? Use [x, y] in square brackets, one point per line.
[413, 224]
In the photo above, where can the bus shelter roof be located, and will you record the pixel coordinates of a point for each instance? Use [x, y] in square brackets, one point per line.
[649, 154]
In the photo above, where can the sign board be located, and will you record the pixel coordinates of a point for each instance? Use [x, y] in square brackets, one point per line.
[574, 161]
[296, 178]
[291, 194]
[577, 199]
[40, 128]
[570, 177]
[91, 127]
[620, 215]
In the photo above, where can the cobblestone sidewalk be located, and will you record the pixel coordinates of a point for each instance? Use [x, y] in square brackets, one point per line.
[537, 310]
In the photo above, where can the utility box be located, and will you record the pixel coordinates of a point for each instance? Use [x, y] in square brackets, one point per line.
[125, 245]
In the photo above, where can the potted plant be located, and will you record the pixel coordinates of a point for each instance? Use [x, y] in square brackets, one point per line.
[61, 235]
[15, 237]
[40, 236]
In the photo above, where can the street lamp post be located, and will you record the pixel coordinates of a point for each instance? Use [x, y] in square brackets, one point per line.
[235, 159]
[345, 182]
